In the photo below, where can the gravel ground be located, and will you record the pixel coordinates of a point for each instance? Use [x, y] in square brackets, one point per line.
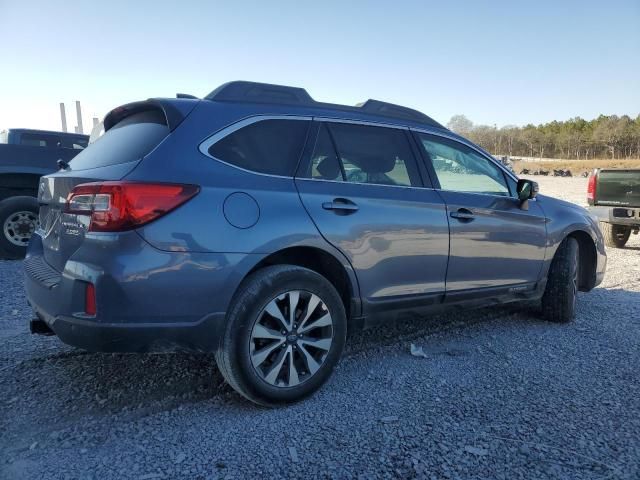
[500, 394]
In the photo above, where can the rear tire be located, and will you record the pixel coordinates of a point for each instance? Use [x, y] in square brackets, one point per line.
[18, 221]
[560, 294]
[615, 236]
[303, 347]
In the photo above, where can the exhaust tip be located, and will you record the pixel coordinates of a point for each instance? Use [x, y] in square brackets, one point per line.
[39, 327]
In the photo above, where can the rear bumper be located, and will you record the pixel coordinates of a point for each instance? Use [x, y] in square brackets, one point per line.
[202, 336]
[148, 300]
[617, 215]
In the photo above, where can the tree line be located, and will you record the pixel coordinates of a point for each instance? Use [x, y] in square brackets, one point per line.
[615, 137]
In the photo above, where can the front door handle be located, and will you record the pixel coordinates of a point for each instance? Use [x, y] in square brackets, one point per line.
[341, 205]
[463, 214]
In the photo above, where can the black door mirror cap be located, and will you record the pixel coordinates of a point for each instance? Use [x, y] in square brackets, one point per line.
[526, 190]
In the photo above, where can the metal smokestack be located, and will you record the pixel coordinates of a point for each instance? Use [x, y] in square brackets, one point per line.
[79, 115]
[63, 117]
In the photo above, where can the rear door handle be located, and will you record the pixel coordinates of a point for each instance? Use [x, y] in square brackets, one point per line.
[463, 214]
[341, 205]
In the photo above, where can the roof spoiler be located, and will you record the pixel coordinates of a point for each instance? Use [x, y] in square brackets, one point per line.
[174, 111]
[253, 92]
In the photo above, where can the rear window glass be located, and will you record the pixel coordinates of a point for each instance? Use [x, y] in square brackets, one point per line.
[36, 140]
[129, 140]
[268, 146]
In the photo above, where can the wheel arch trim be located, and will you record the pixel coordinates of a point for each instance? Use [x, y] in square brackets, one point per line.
[326, 259]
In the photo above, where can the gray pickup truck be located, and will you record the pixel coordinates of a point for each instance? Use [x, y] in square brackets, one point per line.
[26, 155]
[614, 197]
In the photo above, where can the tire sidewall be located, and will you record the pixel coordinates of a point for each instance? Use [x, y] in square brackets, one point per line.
[559, 301]
[245, 313]
[621, 234]
[9, 207]
[573, 264]
[615, 236]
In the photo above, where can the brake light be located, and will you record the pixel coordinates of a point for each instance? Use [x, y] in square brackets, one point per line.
[591, 188]
[119, 206]
[90, 299]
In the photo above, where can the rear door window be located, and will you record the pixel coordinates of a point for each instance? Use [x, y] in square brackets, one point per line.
[129, 140]
[267, 146]
[324, 163]
[368, 154]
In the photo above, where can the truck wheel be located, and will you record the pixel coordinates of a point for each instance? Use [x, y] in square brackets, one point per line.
[561, 292]
[285, 332]
[615, 236]
[18, 221]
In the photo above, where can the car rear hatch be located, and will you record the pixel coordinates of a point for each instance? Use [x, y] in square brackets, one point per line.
[131, 132]
[618, 187]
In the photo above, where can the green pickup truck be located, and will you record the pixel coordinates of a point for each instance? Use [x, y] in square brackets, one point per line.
[614, 197]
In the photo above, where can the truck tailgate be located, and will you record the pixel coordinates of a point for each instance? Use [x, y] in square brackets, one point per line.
[618, 187]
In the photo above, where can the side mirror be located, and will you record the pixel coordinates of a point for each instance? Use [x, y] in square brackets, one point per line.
[526, 190]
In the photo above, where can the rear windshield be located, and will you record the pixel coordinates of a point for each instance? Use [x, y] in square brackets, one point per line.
[129, 140]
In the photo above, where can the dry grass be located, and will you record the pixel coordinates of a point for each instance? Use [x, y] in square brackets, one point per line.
[576, 166]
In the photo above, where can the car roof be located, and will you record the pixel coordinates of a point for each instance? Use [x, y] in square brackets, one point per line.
[298, 100]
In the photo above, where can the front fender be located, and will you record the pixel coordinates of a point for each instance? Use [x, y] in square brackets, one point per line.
[564, 219]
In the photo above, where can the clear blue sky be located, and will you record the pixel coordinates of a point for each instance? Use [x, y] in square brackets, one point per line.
[502, 62]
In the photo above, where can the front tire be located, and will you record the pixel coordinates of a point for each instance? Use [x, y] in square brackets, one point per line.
[285, 332]
[561, 292]
[615, 236]
[18, 221]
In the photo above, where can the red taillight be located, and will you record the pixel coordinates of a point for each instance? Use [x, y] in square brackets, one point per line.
[591, 188]
[118, 206]
[90, 299]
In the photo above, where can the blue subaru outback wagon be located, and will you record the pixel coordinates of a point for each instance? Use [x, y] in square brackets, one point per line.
[262, 225]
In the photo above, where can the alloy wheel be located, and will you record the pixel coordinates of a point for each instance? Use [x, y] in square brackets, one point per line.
[291, 338]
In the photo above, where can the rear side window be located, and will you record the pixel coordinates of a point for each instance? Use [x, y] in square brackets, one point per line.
[36, 140]
[129, 140]
[368, 154]
[269, 146]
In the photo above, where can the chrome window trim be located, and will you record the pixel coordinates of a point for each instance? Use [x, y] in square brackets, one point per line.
[342, 182]
[360, 122]
[227, 130]
[230, 128]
